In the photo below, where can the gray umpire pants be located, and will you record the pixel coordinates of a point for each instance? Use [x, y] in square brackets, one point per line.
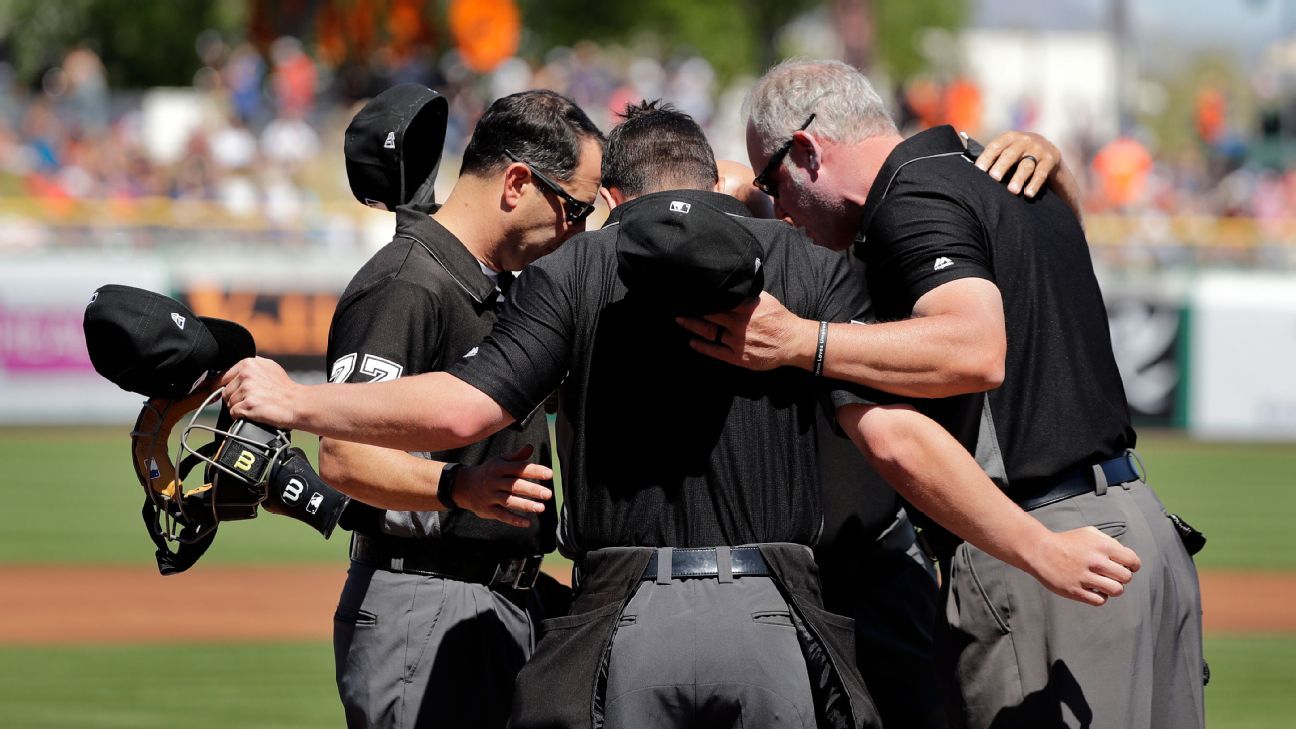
[421, 651]
[1024, 657]
[705, 653]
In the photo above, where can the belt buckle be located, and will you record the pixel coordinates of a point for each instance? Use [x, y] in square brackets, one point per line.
[519, 573]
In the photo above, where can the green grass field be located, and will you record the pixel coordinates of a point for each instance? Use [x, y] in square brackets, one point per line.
[70, 496]
[290, 686]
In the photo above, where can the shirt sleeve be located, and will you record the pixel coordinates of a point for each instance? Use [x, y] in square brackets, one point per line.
[528, 351]
[921, 238]
[387, 332]
[391, 331]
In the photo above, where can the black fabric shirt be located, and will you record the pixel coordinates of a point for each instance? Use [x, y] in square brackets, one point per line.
[662, 446]
[419, 304]
[932, 217]
[858, 503]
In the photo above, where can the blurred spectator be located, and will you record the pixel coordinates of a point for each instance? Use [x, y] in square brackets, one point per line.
[244, 73]
[294, 78]
[1122, 169]
[272, 118]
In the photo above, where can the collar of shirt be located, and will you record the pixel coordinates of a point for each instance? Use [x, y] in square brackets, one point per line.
[934, 142]
[725, 203]
[416, 222]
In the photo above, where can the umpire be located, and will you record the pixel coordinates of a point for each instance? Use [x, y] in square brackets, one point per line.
[995, 313]
[439, 612]
[870, 564]
[691, 494]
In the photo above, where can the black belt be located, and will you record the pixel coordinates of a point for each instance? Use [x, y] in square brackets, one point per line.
[429, 558]
[744, 561]
[1080, 480]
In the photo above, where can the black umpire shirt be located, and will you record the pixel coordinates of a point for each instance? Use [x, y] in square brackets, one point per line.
[419, 304]
[660, 445]
[932, 217]
[858, 506]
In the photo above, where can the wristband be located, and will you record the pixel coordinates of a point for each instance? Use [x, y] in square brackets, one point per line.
[445, 487]
[821, 348]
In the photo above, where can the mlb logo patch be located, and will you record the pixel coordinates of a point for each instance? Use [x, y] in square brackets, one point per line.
[390, 142]
[680, 207]
[313, 505]
[179, 320]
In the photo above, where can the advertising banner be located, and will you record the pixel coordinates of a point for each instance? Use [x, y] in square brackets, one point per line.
[1147, 335]
[45, 372]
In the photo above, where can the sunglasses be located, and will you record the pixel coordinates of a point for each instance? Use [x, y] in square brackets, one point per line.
[574, 210]
[762, 181]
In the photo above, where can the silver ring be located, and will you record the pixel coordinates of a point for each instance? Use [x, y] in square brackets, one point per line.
[1030, 157]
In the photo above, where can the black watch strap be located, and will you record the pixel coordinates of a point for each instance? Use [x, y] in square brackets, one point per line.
[445, 487]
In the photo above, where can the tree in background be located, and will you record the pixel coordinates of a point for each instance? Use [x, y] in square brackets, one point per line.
[140, 43]
[738, 36]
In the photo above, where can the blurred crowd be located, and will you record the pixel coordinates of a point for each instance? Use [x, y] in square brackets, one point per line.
[257, 136]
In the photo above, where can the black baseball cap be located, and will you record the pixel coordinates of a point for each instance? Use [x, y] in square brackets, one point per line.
[153, 345]
[393, 146]
[686, 255]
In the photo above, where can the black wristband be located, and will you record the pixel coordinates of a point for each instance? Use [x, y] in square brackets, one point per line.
[445, 487]
[821, 348]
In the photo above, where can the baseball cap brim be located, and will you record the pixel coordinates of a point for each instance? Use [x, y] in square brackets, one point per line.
[233, 343]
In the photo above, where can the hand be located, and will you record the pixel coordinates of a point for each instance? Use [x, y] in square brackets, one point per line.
[1084, 565]
[259, 390]
[1036, 158]
[758, 334]
[499, 489]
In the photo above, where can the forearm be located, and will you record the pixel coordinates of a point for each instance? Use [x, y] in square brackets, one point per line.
[381, 477]
[434, 411]
[926, 356]
[937, 475]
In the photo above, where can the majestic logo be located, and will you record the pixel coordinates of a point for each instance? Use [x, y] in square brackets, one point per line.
[179, 320]
[94, 296]
[293, 490]
[942, 263]
[391, 141]
[313, 505]
[758, 264]
[471, 353]
[680, 207]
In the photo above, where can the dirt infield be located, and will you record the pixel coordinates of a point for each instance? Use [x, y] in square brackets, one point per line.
[80, 605]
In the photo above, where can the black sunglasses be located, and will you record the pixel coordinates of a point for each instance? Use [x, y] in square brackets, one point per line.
[573, 210]
[762, 180]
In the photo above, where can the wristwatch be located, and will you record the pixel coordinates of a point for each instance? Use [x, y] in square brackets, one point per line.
[445, 487]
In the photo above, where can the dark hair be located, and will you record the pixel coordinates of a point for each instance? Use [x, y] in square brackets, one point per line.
[540, 126]
[657, 147]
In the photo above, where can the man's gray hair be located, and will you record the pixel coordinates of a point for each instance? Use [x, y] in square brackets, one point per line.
[846, 108]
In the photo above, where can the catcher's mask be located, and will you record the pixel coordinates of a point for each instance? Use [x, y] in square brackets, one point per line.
[238, 456]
